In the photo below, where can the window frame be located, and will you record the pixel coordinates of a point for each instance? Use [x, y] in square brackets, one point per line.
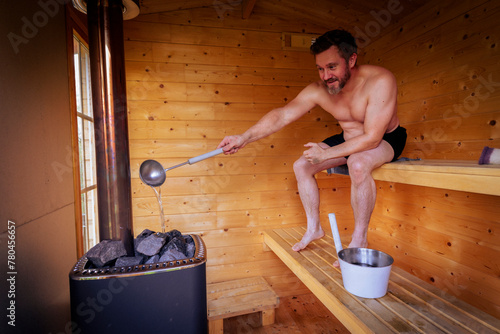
[76, 26]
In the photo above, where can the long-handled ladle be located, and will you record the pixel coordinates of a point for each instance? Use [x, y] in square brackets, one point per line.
[153, 174]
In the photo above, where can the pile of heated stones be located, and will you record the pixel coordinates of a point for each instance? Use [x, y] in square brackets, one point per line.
[149, 247]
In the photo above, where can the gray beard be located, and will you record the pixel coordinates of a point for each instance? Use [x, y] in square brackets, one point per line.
[333, 90]
[342, 82]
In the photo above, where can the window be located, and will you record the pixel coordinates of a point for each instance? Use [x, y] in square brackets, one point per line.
[86, 144]
[84, 161]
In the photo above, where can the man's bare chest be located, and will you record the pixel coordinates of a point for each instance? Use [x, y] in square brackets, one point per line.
[346, 108]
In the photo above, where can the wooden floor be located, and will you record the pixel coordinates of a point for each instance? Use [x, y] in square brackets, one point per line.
[295, 314]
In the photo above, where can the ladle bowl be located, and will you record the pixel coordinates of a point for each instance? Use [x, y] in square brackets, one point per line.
[152, 173]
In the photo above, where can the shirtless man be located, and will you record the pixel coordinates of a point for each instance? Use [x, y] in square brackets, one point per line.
[363, 100]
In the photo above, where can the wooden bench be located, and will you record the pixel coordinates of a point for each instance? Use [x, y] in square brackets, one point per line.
[459, 175]
[238, 297]
[410, 306]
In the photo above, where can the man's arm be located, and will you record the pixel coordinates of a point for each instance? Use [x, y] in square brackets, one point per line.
[274, 120]
[382, 96]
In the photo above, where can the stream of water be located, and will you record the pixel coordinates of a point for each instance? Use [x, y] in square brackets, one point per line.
[160, 205]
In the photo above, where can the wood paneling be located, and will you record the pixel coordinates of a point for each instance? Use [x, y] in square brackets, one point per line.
[281, 15]
[197, 73]
[448, 101]
[449, 79]
[154, 6]
[188, 86]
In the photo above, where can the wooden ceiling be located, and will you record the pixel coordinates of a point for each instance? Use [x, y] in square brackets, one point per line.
[327, 14]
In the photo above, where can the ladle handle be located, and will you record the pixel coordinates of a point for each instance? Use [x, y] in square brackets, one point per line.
[205, 156]
[335, 232]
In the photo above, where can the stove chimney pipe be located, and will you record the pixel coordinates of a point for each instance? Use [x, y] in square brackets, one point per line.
[107, 63]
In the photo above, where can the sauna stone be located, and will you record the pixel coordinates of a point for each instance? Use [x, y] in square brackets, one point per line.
[126, 261]
[151, 245]
[106, 252]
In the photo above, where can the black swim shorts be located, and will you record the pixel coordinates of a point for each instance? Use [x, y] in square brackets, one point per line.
[396, 138]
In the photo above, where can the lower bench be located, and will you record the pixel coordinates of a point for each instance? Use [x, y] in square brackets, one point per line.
[238, 297]
[410, 306]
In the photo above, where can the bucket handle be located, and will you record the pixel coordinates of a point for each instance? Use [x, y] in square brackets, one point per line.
[335, 232]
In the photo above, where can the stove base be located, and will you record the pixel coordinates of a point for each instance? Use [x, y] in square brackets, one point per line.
[169, 297]
[164, 302]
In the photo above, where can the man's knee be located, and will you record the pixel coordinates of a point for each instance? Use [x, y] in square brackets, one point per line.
[359, 168]
[302, 167]
[299, 165]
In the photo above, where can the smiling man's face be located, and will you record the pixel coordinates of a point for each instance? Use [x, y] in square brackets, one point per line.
[333, 70]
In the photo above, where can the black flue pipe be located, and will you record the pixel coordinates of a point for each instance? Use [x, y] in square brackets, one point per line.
[109, 100]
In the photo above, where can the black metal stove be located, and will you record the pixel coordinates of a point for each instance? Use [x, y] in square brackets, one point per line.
[168, 297]
[165, 297]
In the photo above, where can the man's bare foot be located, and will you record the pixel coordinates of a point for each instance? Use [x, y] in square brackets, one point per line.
[354, 244]
[307, 238]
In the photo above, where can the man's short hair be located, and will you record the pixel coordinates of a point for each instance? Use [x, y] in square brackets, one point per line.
[342, 39]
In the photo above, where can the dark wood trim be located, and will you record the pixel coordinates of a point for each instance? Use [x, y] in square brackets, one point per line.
[75, 22]
[247, 8]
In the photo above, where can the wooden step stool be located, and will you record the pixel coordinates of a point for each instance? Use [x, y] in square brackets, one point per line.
[243, 296]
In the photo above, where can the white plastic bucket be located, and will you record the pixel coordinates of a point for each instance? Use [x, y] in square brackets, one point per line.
[365, 272]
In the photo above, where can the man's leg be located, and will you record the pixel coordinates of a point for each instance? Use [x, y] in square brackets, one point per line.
[363, 189]
[309, 195]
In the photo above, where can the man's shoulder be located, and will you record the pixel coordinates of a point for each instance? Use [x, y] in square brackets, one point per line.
[374, 72]
[375, 75]
[315, 85]
[314, 88]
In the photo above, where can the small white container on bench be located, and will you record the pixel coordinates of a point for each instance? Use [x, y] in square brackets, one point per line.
[365, 272]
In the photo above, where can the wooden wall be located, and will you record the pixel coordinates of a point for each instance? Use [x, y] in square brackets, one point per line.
[449, 94]
[448, 79]
[193, 78]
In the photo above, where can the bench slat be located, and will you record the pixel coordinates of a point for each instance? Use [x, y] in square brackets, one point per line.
[472, 183]
[461, 175]
[226, 308]
[239, 287]
[238, 297]
[333, 296]
[447, 166]
[410, 306]
[324, 252]
[413, 307]
[229, 285]
[428, 297]
[384, 314]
